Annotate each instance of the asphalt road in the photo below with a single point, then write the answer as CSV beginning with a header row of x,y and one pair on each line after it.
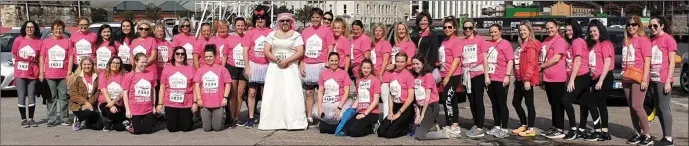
x,y
620,128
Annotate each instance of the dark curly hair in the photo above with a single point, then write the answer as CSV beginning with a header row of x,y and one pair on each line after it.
x,y
265,16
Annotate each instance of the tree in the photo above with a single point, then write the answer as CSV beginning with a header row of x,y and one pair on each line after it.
x,y
302,15
99,15
283,9
127,15
153,12
185,13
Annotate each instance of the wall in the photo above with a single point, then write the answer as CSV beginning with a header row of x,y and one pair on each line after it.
x,y
14,15
561,9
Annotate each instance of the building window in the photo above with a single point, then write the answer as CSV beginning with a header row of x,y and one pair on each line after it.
x,y
331,7
345,8
357,8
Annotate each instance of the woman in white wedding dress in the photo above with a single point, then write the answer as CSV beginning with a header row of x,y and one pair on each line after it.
x,y
283,99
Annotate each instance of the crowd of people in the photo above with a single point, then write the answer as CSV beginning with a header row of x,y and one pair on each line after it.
x,y
120,83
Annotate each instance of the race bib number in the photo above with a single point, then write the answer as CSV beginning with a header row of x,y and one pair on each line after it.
x,y
470,53
259,44
177,96
332,91
656,63
102,57
395,50
364,94
542,56
314,45
210,80
419,91
56,64
396,91
22,65
164,54
281,55
142,88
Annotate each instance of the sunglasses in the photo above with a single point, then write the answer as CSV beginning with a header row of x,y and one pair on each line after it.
x,y
184,26
655,26
448,27
144,29
180,54
633,24
283,21
468,28
84,25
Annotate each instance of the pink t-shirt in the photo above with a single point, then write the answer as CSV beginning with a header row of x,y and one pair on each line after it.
x,y
449,50
578,48
178,81
316,42
472,53
407,47
342,47
367,88
124,51
140,88
26,53
660,65
421,84
399,84
360,44
113,85
84,45
104,53
165,52
551,46
235,51
201,44
499,53
257,39
334,83
379,50
640,48
146,46
55,57
212,80
600,51
186,41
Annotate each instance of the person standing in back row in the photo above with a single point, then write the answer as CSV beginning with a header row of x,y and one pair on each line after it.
x,y
662,71
83,41
500,62
553,68
126,36
256,64
475,75
449,57
54,64
26,51
578,75
234,58
185,38
318,42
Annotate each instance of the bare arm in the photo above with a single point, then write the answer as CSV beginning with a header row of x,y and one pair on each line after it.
x,y
647,67
386,59
41,67
320,100
196,60
575,68
153,58
410,98
552,61
671,57
343,98
376,99
224,60
162,94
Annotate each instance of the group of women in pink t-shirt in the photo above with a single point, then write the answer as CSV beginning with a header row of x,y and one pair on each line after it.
x,y
142,75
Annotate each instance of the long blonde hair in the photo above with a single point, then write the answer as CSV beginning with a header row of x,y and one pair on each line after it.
x,y
376,26
640,32
79,72
407,36
345,28
531,36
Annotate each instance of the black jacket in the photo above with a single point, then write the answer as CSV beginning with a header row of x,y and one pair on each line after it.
x,y
427,47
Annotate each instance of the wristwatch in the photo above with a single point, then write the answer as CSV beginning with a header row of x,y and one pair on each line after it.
x,y
278,61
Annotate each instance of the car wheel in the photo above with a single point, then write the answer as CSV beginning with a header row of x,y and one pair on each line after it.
x,y
684,79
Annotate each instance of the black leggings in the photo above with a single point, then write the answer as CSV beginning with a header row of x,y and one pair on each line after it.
x,y
179,119
450,99
520,94
554,91
360,127
595,104
581,89
142,124
398,127
498,99
113,118
478,111
92,118
325,127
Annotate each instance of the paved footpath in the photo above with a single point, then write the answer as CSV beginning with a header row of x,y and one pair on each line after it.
x,y
620,127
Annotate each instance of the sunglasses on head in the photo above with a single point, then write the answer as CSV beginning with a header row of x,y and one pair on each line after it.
x,y
144,29
448,27
468,28
633,24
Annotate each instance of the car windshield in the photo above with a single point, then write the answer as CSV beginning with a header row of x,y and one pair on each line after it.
x,y
6,41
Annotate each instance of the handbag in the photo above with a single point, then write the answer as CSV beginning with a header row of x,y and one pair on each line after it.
x,y
678,59
632,72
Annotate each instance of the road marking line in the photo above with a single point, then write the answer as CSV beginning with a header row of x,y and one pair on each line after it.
x,y
681,104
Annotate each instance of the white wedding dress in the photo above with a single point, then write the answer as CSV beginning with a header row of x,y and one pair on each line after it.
x,y
283,98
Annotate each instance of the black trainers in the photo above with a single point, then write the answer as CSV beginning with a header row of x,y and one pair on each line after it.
x,y
549,131
249,124
32,123
557,133
665,142
634,140
25,124
572,135
51,124
605,136
595,136
107,127
646,140
585,134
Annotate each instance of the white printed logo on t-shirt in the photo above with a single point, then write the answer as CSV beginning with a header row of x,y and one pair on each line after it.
x,y
102,57
259,44
314,45
396,91
178,84
419,91
238,55
189,49
656,63
139,49
56,57
373,56
492,59
114,90
25,52
142,90
164,53
332,91
592,60
363,93
123,52
441,57
542,56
